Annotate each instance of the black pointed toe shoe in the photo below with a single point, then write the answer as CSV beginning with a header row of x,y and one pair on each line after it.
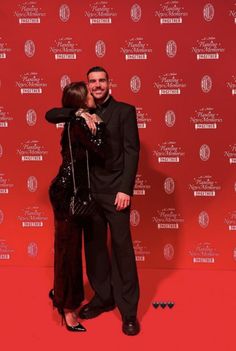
x,y
72,328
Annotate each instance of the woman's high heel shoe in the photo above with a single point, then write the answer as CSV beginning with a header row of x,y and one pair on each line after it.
x,y
77,328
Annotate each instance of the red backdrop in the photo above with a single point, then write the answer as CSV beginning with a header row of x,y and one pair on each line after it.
x,y
175,61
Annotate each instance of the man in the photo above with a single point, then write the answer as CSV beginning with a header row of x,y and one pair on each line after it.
x,y
114,280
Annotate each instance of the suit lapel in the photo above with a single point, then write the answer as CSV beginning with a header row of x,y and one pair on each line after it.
x,y
106,116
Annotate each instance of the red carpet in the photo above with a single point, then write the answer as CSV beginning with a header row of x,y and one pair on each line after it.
x,y
203,317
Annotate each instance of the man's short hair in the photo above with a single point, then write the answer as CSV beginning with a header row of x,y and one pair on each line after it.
x,y
98,69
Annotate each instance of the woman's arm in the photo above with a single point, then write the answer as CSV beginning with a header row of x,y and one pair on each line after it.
x,y
60,115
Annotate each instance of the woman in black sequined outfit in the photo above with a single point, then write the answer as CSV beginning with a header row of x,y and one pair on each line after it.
x,y
78,105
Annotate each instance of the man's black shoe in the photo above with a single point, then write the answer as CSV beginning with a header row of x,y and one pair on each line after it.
x,y
89,311
130,326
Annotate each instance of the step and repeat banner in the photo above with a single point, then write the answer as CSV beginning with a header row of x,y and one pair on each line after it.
x,y
175,61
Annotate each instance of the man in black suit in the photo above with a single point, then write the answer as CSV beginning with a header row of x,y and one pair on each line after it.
x,y
114,279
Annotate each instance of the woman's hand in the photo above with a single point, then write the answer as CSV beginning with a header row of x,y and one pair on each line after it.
x,y
90,120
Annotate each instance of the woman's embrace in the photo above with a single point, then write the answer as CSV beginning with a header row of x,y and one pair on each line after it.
x,y
80,144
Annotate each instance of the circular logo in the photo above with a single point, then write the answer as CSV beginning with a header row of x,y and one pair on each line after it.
x,y
65,80
208,12
29,48
1,216
136,13
134,218
169,185
32,249
100,48
171,48
170,118
206,84
32,184
204,152
168,252
64,13
203,219
31,117
135,84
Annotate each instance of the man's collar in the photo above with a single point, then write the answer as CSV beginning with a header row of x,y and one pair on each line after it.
x,y
105,102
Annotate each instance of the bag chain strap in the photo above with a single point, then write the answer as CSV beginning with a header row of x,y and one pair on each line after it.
x,y
72,162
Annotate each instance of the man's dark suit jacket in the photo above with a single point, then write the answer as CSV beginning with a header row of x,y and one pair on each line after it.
x,y
116,173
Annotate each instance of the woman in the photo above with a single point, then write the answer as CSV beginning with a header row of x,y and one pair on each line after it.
x,y
68,292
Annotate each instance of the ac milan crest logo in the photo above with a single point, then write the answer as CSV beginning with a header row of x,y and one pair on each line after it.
x,y
31,117
171,48
208,12
170,118
168,252
206,84
203,219
136,12
32,184
32,249
204,152
135,84
100,48
65,80
169,185
64,13
29,48
134,218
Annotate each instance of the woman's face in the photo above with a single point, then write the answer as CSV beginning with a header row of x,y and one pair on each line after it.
x,y
90,101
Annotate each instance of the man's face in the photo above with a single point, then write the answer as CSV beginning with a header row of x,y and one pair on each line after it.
x,y
98,85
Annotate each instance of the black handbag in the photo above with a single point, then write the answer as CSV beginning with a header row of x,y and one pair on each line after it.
x,y
82,203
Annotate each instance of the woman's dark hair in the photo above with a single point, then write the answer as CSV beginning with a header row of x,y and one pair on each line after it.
x,y
74,95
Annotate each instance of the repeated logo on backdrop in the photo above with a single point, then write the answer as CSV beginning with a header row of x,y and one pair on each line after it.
x,y
64,13
204,252
29,12
5,50
5,251
206,118
169,152
168,218
136,49
169,84
141,251
171,12
141,186
32,150
101,12
230,154
208,48
183,89
204,186
32,216
6,184
65,48
31,83
5,118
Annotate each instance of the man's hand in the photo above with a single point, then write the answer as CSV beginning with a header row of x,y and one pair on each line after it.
x,y
122,201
